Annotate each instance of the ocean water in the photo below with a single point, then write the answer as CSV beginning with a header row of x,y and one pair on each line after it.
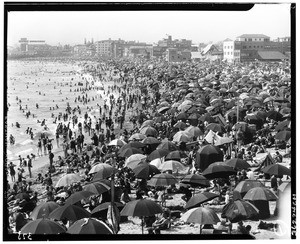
x,y
48,84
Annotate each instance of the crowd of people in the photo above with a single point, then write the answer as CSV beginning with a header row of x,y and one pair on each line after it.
x,y
245,102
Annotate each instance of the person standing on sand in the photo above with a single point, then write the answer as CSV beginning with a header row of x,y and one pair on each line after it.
x,y
29,165
39,153
57,138
12,171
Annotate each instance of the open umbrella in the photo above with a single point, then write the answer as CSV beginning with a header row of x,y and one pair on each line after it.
x,y
215,127
157,162
237,163
104,171
137,136
167,145
147,123
117,142
89,226
240,125
207,155
218,171
284,135
42,227
199,199
277,170
201,215
162,180
176,155
149,131
194,131
162,110
182,116
150,141
68,179
134,159
96,187
43,210
283,125
260,193
129,151
78,196
239,210
144,170
284,185
172,165
69,212
180,125
244,186
182,136
196,180
103,207
274,115
132,144
158,153
141,208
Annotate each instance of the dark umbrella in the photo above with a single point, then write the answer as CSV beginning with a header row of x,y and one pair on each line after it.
x,y
149,131
195,180
137,136
244,186
162,180
162,110
132,144
180,125
89,226
168,145
69,212
129,151
283,125
144,170
274,115
97,187
241,125
277,170
194,131
218,171
158,153
78,196
215,127
199,199
150,140
237,163
43,210
207,155
176,155
284,135
42,227
201,215
141,208
103,207
22,196
239,210
260,193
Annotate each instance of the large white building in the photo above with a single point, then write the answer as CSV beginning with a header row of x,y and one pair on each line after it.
x,y
231,51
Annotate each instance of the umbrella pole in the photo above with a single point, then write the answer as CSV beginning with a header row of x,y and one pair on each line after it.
x,y
142,225
200,229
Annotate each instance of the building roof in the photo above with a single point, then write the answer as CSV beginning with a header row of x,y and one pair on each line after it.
x,y
271,55
227,40
196,55
253,36
209,47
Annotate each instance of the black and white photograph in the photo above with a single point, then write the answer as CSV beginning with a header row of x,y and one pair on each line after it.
x,y
149,121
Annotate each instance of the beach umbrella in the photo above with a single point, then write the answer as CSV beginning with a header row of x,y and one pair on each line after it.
x,y
42,227
127,152
117,142
284,125
172,165
145,170
134,159
239,210
274,115
281,100
285,110
157,162
148,123
97,187
208,118
141,208
201,215
78,196
200,198
176,155
277,170
194,131
162,110
284,135
240,125
215,127
150,140
101,210
268,99
244,186
261,114
132,144
260,194
149,131
182,136
69,212
167,145
137,136
195,180
237,163
195,115
68,179
216,170
43,210
182,116
104,170
89,226
208,155
162,180
180,125
158,153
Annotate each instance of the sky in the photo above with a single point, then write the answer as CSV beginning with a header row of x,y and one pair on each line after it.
x,y
72,27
